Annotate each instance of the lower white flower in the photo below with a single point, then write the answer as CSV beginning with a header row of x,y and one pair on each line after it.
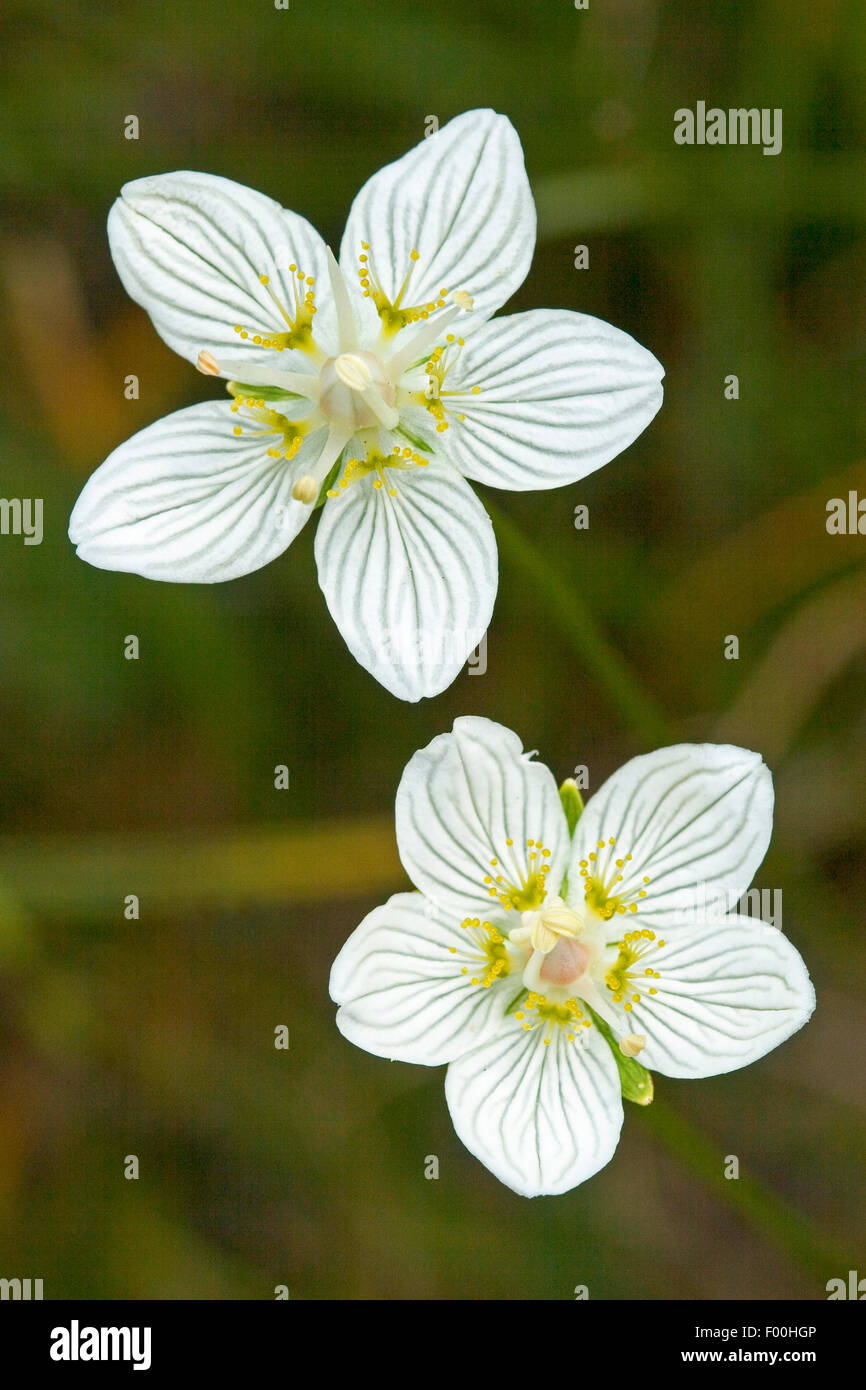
x,y
540,963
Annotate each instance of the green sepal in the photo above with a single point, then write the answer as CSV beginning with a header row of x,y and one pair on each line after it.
x,y
328,483
262,393
517,1001
636,1083
572,803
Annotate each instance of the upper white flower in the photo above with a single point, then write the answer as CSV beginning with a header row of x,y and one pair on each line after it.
x,y
527,957
376,385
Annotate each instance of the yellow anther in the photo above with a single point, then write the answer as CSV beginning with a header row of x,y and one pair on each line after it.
x,y
305,489
207,364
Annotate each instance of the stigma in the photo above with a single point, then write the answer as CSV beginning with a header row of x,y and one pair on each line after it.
x,y
548,923
356,391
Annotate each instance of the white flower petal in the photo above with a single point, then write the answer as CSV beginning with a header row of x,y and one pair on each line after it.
x,y
190,248
461,199
410,580
561,395
460,800
541,1118
401,989
187,500
695,818
729,991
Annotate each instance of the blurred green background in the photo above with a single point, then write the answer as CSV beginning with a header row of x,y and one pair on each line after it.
x,y
155,1037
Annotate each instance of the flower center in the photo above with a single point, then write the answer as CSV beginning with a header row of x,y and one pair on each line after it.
x,y
566,962
545,925
563,948
356,391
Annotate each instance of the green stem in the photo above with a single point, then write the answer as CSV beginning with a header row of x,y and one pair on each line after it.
x,y
645,719
748,1196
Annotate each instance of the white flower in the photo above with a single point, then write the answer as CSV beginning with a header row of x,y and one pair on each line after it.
x,y
524,948
378,383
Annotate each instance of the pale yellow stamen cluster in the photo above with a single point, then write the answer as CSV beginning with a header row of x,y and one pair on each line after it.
x,y
492,953
622,980
376,462
525,888
273,422
299,320
600,879
567,1015
395,315
439,364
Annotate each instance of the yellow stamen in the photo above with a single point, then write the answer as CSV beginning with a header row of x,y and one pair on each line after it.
x,y
305,489
207,364
375,462
394,313
491,951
